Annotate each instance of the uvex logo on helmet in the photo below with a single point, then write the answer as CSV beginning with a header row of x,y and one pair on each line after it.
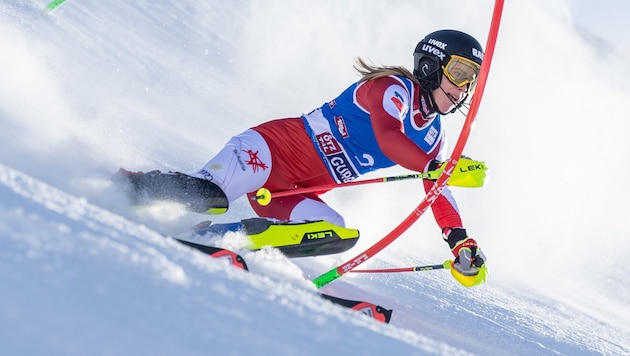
x,y
434,51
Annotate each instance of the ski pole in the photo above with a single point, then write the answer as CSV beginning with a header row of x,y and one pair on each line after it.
x,y
445,265
263,195
465,280
469,173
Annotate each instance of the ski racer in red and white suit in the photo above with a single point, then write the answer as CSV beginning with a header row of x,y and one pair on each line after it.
x,y
297,162
390,117
373,124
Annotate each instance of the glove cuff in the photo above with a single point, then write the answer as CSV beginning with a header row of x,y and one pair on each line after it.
x,y
433,170
434,165
454,235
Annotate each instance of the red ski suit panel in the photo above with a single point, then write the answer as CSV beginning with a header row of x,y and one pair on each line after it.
x,y
295,164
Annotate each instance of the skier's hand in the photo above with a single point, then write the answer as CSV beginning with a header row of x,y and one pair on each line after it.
x,y
434,169
468,256
467,173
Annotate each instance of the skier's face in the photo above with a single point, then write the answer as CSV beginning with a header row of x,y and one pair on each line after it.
x,y
449,95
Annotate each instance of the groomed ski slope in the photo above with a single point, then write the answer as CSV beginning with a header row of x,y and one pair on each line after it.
x,y
143,85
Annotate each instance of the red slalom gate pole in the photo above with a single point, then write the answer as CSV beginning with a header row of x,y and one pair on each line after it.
x,y
450,164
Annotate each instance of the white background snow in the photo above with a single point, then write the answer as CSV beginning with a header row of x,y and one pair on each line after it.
x,y
99,85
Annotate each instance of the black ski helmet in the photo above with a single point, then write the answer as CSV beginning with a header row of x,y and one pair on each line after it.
x,y
433,53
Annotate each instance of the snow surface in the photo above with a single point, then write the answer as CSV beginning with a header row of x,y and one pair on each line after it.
x,y
140,84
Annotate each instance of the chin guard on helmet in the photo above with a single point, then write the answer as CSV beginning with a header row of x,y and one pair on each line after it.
x,y
427,71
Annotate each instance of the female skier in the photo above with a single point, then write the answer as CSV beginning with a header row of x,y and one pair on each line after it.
x,y
390,116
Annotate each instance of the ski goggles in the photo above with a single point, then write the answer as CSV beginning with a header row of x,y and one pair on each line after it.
x,y
461,71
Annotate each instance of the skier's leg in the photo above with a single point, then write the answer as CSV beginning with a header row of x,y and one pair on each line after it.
x,y
196,194
242,166
300,207
315,209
